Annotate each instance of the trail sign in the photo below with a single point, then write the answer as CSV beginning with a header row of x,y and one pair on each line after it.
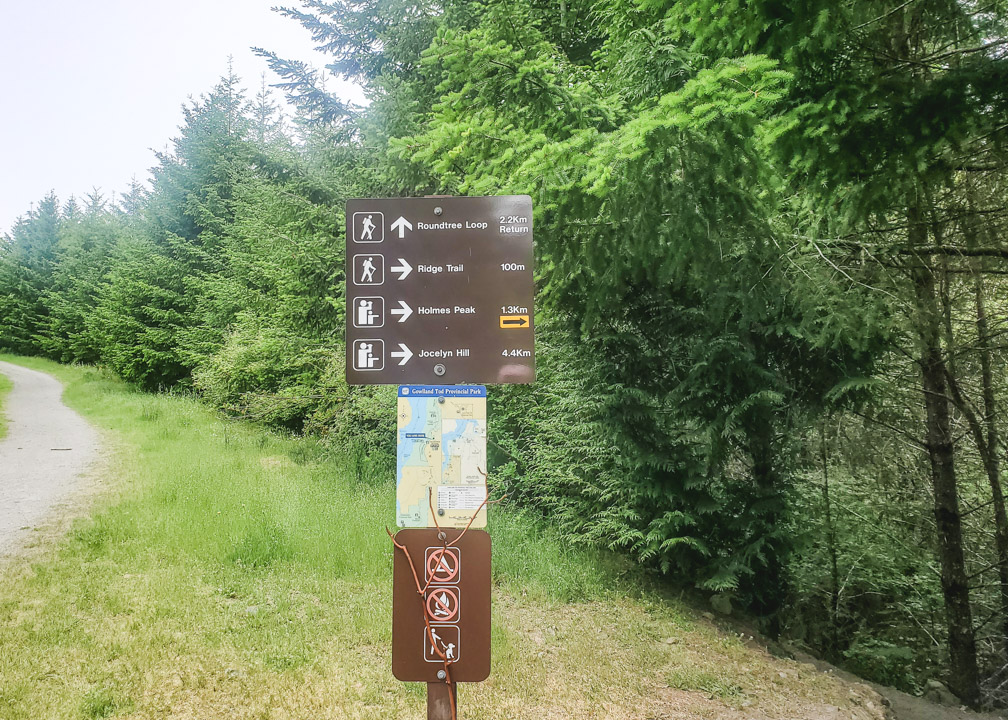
x,y
449,624
440,290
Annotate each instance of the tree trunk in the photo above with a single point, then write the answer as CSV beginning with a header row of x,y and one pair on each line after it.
x,y
831,547
964,675
768,505
992,456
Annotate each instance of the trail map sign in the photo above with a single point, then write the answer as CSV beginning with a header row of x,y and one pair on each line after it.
x,y
439,290
441,456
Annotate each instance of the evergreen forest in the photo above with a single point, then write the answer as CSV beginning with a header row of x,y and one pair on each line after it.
x,y
771,248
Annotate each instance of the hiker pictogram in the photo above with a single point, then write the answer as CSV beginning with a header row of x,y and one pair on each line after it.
x,y
368,269
368,227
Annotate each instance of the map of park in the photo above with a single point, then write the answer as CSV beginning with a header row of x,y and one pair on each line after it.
x,y
441,458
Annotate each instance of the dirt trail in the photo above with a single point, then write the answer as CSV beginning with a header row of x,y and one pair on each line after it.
x,y
901,705
47,449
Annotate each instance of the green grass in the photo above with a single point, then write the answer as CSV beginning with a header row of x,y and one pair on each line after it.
x,y
233,497
719,684
231,530
228,572
5,387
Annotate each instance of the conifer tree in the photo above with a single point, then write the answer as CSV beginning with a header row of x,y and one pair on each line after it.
x,y
157,324
26,266
656,237
890,102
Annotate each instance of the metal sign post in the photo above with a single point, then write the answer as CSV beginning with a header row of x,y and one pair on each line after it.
x,y
440,290
441,698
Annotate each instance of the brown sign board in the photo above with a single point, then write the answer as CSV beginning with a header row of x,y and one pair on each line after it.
x,y
439,290
456,597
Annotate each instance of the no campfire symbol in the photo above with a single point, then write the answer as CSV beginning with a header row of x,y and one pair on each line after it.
x,y
443,604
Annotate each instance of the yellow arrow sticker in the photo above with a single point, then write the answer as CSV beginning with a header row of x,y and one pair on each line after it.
x,y
513,322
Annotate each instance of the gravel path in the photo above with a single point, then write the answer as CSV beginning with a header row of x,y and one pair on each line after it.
x,y
47,449
901,705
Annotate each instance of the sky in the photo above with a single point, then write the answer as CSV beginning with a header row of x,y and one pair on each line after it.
x,y
89,89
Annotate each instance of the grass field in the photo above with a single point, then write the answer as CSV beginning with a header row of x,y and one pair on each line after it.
x,y
227,572
5,388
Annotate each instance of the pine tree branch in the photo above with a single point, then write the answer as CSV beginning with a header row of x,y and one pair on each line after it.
x,y
969,412
883,16
920,445
964,51
946,250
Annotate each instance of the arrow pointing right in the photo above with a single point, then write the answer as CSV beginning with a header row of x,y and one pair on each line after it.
x,y
514,321
406,354
403,267
403,310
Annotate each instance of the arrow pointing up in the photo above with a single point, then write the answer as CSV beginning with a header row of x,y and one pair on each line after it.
x,y
402,224
404,311
404,268
406,354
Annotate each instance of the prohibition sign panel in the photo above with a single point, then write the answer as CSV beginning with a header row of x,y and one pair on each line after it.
x,y
443,565
410,652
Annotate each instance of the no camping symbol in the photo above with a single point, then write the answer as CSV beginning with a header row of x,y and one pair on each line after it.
x,y
443,564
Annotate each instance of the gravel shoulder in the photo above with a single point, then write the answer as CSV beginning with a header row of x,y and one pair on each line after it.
x,y
44,458
901,706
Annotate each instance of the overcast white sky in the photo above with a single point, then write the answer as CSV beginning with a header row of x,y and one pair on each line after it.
x,y
88,87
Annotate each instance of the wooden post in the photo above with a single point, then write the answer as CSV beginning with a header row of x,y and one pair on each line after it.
x,y
440,697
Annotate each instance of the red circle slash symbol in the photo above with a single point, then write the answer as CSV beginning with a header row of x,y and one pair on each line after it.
x,y
442,565
443,604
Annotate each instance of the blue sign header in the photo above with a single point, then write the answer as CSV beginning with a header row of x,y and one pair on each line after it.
x,y
448,391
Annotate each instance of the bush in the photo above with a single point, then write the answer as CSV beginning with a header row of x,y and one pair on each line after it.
x,y
267,374
357,421
883,662
615,467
